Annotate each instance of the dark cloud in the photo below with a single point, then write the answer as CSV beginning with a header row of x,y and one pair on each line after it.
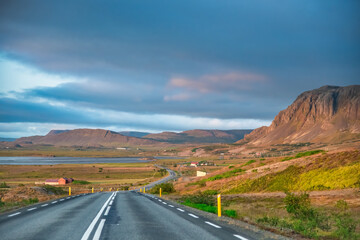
x,y
172,57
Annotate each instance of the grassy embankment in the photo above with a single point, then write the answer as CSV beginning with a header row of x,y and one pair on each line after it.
x,y
258,205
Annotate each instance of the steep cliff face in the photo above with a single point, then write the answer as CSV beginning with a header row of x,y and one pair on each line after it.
x,y
327,114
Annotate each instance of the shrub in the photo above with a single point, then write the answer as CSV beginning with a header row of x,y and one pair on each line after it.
x,y
30,201
200,198
210,192
165,188
162,172
80,182
249,162
345,225
4,185
306,220
230,213
54,190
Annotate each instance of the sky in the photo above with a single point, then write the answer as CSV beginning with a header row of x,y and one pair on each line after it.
x,y
168,65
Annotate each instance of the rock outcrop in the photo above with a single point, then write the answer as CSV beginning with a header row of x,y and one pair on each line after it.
x,y
327,114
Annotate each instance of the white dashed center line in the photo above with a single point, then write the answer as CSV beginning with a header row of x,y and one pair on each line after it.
x,y
111,203
211,224
181,210
107,211
30,209
192,215
14,214
240,237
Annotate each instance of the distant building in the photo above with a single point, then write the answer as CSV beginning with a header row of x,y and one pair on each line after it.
x,y
51,182
194,164
200,173
60,181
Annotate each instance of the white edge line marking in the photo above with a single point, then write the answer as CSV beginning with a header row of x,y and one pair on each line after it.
x,y
93,223
54,202
211,224
14,214
44,205
181,210
192,215
67,197
111,202
30,209
171,205
107,211
164,203
240,237
61,200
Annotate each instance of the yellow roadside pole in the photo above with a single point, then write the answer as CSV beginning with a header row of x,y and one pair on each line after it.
x,y
140,189
110,189
69,191
100,189
219,204
144,190
160,192
92,190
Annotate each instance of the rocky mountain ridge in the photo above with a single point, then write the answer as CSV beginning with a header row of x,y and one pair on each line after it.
x,y
327,114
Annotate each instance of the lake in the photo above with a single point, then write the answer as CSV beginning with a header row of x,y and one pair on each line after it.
x,y
67,160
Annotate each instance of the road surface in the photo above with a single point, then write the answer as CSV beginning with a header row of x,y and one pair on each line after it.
x,y
171,176
115,215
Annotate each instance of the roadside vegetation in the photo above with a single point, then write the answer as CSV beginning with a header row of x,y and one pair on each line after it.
x,y
312,222
166,188
206,201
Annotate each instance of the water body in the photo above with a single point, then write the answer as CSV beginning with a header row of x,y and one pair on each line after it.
x,y
67,160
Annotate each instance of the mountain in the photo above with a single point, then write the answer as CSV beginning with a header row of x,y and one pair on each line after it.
x,y
328,114
199,136
85,137
134,134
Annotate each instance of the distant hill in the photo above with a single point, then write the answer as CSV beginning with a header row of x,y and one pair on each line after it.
x,y
85,137
199,136
134,134
327,114
7,139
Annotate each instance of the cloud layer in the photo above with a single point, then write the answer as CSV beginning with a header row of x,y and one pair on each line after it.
x,y
206,61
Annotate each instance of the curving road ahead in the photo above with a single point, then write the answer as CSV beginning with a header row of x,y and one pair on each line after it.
x,y
116,215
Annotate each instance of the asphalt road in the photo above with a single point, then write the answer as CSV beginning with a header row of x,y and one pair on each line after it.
x,y
115,215
171,176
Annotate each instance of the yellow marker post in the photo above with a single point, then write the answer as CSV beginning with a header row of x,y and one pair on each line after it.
x,y
144,190
92,190
160,192
140,189
69,191
100,189
219,204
